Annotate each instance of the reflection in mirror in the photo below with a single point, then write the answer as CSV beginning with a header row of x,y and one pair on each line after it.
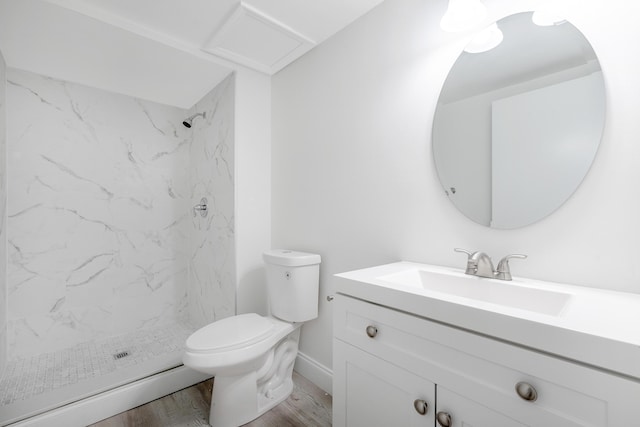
x,y
517,127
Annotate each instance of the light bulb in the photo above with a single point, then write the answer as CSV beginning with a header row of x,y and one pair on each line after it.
x,y
462,15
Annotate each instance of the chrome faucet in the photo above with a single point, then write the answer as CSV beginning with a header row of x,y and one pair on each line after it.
x,y
480,264
503,272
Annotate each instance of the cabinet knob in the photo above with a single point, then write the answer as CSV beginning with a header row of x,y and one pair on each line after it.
x,y
526,391
372,331
421,406
444,419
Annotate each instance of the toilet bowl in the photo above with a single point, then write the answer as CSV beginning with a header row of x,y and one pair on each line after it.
x,y
252,356
235,344
252,359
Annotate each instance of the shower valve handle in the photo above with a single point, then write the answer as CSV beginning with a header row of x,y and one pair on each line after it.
x,y
202,207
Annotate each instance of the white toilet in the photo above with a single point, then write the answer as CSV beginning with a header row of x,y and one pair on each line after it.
x,y
252,356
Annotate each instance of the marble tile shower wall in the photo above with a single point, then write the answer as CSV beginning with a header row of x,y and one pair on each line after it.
x,y
211,292
98,214
3,204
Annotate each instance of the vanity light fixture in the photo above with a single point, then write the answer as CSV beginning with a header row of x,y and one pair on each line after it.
x,y
485,40
463,15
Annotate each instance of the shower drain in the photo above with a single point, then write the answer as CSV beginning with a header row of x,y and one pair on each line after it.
x,y
121,355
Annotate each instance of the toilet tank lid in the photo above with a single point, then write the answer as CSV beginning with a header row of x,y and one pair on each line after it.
x,y
290,258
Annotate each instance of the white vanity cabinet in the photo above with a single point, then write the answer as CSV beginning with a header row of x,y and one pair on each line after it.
x,y
387,362
374,392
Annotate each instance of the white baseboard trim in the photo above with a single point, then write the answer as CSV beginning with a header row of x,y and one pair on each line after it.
x,y
104,405
315,372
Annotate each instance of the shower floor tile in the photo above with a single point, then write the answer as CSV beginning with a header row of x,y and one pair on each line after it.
x,y
42,382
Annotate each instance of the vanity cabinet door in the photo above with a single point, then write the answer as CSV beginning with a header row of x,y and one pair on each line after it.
x,y
455,410
370,392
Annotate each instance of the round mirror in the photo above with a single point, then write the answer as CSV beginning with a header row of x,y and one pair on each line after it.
x,y
517,126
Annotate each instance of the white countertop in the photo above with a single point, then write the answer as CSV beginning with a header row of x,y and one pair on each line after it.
x,y
596,327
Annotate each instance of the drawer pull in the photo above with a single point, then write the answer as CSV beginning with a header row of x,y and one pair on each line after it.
x,y
372,331
444,419
526,391
420,406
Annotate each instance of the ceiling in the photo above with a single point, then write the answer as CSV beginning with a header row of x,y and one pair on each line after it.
x,y
167,51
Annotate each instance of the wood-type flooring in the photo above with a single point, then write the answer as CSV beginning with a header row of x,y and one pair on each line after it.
x,y
307,406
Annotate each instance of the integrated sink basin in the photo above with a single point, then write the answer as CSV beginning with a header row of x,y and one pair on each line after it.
x,y
594,326
505,293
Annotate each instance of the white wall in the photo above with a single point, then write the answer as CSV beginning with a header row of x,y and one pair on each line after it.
x,y
3,214
252,187
353,174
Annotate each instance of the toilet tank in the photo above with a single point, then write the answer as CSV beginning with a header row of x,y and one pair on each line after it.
x,y
293,280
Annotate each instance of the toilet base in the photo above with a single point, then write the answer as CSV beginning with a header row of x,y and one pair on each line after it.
x,y
239,399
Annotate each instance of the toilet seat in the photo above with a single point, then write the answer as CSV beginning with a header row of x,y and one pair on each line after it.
x,y
234,354
230,333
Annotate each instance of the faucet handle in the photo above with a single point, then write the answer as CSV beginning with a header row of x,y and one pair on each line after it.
x,y
464,251
472,265
503,272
